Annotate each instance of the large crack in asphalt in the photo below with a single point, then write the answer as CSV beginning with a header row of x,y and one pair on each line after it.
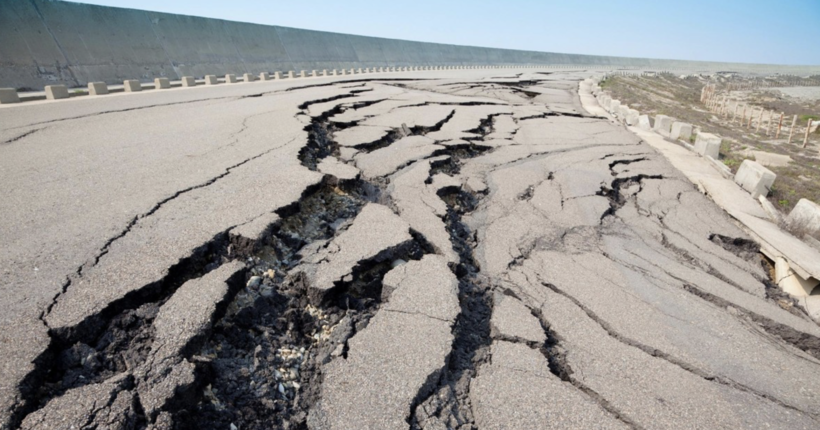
x,y
447,401
263,362
403,131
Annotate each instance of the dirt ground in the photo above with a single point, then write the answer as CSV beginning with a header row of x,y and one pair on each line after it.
x,y
680,98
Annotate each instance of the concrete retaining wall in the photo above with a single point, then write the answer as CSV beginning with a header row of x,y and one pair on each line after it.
x,y
46,42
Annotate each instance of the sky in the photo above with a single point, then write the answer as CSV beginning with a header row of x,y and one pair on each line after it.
x,y
746,31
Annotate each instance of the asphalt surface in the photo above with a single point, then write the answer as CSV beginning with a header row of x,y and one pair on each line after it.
x,y
454,250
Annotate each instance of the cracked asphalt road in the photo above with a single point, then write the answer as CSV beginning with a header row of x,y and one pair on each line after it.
x,y
452,250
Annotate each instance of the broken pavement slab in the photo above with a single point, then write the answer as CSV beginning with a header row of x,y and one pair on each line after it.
x,y
375,234
385,161
513,320
422,295
520,376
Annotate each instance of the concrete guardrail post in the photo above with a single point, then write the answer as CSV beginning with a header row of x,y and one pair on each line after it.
x,y
277,76
264,76
230,79
211,80
663,125
56,92
632,117
132,86
754,178
707,145
247,77
643,122
162,83
9,95
97,88
681,130
188,81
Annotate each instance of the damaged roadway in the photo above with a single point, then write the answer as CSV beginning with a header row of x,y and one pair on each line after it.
x,y
453,250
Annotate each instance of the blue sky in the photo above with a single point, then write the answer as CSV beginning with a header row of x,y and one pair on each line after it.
x,y
750,31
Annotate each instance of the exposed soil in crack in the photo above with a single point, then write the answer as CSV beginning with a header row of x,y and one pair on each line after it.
x,y
401,132
262,367
621,189
746,249
320,144
446,403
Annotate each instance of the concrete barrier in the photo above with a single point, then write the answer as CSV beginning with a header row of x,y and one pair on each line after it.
x,y
56,92
663,124
623,111
132,85
754,178
632,117
188,81
162,83
290,74
97,88
643,122
806,214
211,80
681,130
708,145
230,78
9,95
264,76
247,77
344,72
277,75
303,74
359,71
314,73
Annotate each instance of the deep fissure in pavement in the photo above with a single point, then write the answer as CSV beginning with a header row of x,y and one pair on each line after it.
x,y
401,132
114,340
446,402
264,358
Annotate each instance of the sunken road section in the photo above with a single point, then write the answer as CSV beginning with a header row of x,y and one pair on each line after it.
x,y
465,251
